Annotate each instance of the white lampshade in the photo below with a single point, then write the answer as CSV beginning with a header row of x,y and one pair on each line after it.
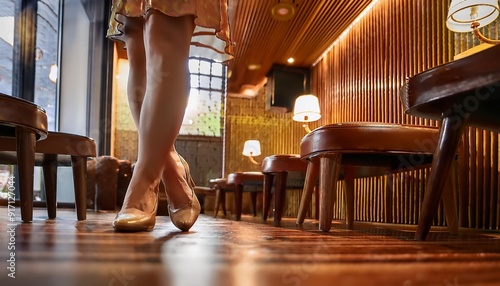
x,y
306,108
251,148
463,12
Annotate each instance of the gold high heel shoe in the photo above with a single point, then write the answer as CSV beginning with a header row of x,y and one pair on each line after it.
x,y
135,220
184,217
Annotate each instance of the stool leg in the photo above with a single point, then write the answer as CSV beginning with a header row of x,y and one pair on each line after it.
x,y
238,200
450,199
49,166
267,195
312,174
388,199
218,194
223,202
349,197
253,196
328,176
449,138
79,165
279,196
26,165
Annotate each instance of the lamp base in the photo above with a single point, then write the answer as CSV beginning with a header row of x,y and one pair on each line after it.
x,y
473,50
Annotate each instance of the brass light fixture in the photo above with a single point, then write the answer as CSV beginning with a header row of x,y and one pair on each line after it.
x,y
470,15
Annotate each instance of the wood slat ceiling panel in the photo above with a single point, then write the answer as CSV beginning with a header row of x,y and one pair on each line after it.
x,y
260,39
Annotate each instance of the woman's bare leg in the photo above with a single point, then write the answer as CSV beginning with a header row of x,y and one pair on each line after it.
x,y
136,53
143,197
167,40
134,39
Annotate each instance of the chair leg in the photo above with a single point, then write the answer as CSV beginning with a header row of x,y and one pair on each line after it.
x,y
79,165
312,173
328,176
449,138
450,199
49,166
267,195
238,200
26,165
279,196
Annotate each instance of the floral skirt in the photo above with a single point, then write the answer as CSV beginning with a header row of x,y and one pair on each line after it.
x,y
211,37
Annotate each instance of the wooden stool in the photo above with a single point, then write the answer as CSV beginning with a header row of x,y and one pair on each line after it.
x,y
356,150
238,180
57,149
202,193
277,167
460,93
220,186
21,124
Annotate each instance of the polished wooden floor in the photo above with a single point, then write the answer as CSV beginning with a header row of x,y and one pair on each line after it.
x,y
220,251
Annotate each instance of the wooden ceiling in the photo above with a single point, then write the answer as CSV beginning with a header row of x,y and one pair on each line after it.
x,y
262,40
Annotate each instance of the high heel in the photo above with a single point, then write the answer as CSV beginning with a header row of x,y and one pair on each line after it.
x,y
184,217
135,220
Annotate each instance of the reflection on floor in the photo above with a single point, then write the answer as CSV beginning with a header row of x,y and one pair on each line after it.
x,y
225,252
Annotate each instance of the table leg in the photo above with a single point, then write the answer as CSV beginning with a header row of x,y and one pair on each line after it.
x,y
450,134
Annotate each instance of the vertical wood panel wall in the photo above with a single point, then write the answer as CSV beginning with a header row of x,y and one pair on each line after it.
x,y
480,186
359,80
248,119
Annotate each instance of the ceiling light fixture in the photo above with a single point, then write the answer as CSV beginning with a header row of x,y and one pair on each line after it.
x,y
284,11
253,67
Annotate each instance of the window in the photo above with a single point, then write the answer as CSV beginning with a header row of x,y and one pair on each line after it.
x,y
203,113
46,54
6,46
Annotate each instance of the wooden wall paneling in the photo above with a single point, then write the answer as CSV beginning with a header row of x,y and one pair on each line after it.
x,y
494,180
463,157
487,178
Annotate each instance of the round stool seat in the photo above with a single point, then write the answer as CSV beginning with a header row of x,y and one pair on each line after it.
x,y
283,163
377,138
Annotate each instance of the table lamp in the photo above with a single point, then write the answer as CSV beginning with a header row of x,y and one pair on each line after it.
x,y
470,15
306,110
251,149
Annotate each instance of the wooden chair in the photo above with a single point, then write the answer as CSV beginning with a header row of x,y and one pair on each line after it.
x,y
22,123
461,93
356,150
275,169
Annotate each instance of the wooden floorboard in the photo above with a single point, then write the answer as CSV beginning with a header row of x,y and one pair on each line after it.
x,y
220,251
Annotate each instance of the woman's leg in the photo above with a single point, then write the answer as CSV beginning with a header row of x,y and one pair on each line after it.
x,y
167,41
136,53
143,197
